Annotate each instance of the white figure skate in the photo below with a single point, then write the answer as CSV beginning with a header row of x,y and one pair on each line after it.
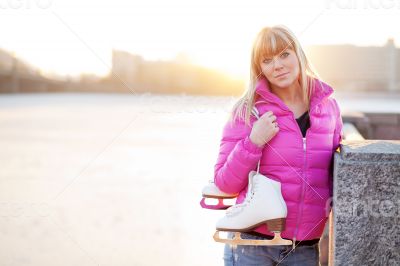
x,y
213,192
264,204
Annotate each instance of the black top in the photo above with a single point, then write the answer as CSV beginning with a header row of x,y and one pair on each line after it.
x,y
304,123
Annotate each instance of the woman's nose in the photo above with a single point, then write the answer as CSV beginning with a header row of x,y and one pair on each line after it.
x,y
277,64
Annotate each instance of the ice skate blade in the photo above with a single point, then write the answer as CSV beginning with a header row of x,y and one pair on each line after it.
x,y
219,197
237,240
220,206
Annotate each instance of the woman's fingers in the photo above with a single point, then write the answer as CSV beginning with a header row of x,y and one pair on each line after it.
x,y
269,117
264,129
266,115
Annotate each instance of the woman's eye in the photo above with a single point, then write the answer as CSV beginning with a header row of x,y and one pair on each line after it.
x,y
285,54
267,61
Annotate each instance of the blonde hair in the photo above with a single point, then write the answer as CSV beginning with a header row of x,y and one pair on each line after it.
x,y
269,42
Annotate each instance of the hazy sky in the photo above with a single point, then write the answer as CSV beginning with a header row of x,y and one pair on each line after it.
x,y
71,36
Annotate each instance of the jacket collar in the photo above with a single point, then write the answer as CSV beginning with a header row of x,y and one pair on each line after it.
x,y
320,91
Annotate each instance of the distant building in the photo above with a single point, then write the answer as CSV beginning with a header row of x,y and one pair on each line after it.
x,y
126,67
349,67
174,76
6,61
10,63
17,75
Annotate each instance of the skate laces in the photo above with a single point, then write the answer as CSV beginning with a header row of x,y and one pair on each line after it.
x,y
236,209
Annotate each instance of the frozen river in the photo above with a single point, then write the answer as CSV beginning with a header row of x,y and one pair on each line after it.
x,y
107,179
114,179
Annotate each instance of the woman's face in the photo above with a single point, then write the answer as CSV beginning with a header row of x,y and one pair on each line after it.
x,y
282,70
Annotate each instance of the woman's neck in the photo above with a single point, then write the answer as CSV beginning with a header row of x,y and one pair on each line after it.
x,y
289,95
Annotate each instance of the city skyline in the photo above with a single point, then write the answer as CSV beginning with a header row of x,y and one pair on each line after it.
x,y
346,67
184,58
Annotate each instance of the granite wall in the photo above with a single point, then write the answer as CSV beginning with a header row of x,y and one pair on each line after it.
x,y
365,228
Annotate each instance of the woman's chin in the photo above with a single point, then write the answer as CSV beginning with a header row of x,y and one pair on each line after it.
x,y
283,83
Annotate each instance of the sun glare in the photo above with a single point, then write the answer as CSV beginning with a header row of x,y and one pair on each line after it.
x,y
73,37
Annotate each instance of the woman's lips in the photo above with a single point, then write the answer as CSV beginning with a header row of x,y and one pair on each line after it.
x,y
281,75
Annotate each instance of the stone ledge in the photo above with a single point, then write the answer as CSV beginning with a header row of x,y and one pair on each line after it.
x,y
365,220
370,150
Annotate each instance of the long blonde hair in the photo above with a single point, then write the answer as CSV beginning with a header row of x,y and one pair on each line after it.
x,y
269,42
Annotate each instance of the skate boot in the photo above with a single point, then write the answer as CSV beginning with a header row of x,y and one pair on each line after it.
x,y
264,204
213,192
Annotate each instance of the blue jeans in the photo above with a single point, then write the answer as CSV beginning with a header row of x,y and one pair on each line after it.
x,y
241,255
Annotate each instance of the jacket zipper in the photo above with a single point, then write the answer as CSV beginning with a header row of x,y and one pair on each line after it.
x,y
300,212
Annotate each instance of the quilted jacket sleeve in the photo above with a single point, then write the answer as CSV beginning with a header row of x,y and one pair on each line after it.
x,y
337,138
338,134
237,157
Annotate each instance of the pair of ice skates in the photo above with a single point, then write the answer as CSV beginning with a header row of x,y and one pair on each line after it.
x,y
264,204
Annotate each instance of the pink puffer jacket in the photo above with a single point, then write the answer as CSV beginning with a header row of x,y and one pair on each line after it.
x,y
303,166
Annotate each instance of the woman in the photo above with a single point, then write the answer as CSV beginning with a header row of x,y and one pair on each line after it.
x,y
295,138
